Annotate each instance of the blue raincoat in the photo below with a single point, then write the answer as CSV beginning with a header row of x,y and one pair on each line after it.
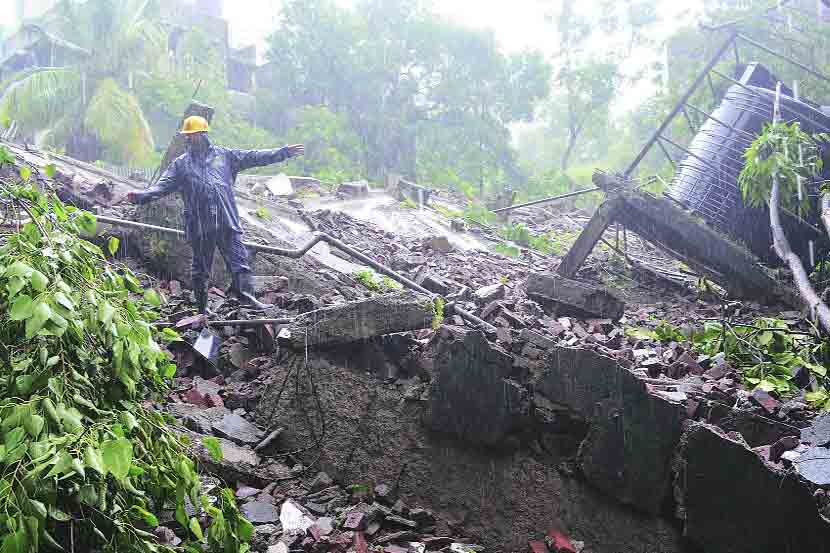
x,y
211,218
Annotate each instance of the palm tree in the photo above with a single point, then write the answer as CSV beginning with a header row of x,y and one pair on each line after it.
x,y
89,108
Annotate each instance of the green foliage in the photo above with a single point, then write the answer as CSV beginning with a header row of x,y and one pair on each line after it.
x,y
263,213
785,151
373,282
438,312
407,203
766,352
82,452
507,250
550,243
92,94
431,95
476,213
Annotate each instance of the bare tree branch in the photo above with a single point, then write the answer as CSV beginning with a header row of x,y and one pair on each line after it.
x,y
785,252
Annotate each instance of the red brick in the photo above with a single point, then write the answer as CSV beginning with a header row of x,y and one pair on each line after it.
x,y
559,542
537,547
214,400
360,544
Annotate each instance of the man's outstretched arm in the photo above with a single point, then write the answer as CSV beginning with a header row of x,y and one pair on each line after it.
x,y
167,184
247,159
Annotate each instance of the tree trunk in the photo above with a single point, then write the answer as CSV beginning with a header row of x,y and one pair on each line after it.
x,y
784,251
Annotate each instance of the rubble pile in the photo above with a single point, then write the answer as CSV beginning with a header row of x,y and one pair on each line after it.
x,y
291,507
497,432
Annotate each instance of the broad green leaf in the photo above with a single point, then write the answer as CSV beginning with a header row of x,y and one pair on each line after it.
x,y
87,223
118,456
170,335
820,370
20,269
71,418
168,370
24,383
50,541
245,529
34,425
15,285
50,170
105,313
14,437
16,454
57,514
765,338
817,396
78,467
152,297
39,281
214,448
89,495
196,529
25,173
142,514
129,420
42,312
22,308
94,460
38,508
766,385
113,244
62,299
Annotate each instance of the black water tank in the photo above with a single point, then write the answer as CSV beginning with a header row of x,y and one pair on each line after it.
x,y
707,180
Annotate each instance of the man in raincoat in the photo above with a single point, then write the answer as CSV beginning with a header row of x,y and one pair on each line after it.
x,y
204,175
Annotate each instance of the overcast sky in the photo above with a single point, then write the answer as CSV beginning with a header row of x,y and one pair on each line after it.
x,y
519,24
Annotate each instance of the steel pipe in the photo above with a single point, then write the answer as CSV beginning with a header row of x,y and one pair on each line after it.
x,y
545,200
240,323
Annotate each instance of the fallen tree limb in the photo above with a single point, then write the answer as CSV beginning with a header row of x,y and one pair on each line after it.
x,y
784,251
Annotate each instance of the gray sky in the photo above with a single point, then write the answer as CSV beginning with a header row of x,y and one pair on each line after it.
x,y
519,24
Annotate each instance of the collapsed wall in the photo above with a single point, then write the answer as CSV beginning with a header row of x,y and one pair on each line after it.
x,y
401,432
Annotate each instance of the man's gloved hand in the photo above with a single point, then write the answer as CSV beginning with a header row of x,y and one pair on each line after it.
x,y
295,150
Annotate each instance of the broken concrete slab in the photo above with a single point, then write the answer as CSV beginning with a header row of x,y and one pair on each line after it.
x,y
663,222
238,464
260,512
353,322
732,501
489,294
472,396
574,298
814,466
629,447
817,433
238,430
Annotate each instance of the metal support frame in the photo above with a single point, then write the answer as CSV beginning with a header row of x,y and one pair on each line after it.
x,y
301,251
679,106
706,74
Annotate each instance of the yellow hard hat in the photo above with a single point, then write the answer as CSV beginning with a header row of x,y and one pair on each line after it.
x,y
194,124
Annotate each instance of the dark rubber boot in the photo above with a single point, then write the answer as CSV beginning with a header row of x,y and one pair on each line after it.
x,y
201,294
245,282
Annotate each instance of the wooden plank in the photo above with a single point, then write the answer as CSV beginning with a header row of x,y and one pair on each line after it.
x,y
591,234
